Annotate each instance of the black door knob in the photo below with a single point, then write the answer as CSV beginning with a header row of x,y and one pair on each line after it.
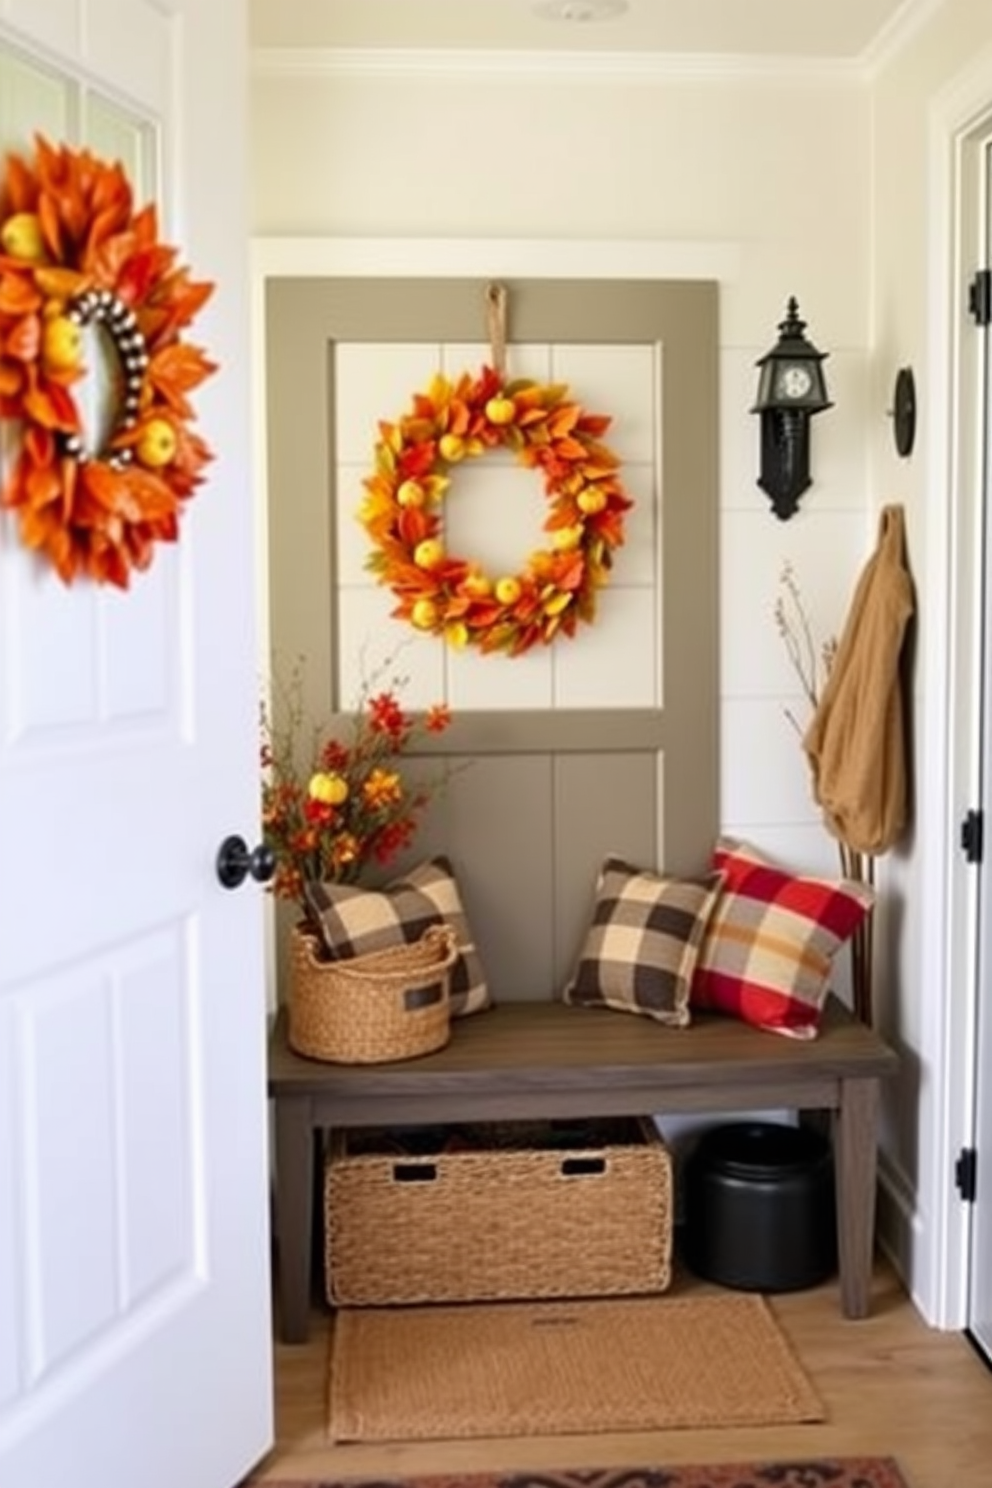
x,y
235,862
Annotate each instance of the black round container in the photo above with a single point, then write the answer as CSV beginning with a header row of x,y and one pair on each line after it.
x,y
759,1207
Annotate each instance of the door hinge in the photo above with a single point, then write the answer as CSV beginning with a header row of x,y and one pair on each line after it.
x,y
972,835
966,1173
980,297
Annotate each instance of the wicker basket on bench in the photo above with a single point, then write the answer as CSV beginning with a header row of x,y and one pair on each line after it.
x,y
371,1009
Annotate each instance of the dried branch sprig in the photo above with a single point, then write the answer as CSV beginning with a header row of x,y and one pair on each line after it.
x,y
812,667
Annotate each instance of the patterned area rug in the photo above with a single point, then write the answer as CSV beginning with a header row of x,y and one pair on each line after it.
x,y
826,1472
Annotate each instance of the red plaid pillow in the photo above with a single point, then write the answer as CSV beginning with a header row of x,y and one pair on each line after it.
x,y
768,952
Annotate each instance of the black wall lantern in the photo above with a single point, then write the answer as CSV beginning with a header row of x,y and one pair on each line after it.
x,y
791,389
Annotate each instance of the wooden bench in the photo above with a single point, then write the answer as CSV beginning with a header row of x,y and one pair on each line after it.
x,y
531,1060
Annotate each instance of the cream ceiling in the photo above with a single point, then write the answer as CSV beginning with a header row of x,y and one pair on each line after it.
x,y
827,30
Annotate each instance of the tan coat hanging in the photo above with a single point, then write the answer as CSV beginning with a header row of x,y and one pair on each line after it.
x,y
856,742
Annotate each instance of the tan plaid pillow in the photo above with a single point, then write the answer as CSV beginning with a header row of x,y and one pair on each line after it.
x,y
641,947
354,920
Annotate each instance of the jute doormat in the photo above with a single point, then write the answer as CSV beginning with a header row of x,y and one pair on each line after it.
x,y
819,1472
543,1368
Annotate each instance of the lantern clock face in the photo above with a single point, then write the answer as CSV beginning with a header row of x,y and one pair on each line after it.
x,y
794,382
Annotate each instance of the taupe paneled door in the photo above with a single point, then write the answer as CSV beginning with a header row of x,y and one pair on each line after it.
x,y
604,743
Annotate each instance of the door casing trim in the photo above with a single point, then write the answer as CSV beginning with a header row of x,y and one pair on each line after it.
x,y
950,653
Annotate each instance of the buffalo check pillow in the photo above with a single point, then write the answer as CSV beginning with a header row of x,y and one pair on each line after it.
x,y
355,920
641,946
770,944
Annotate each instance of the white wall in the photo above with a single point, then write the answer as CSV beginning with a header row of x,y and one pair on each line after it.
x,y
813,185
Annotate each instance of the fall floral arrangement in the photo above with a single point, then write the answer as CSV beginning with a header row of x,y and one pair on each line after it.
x,y
448,595
332,805
75,254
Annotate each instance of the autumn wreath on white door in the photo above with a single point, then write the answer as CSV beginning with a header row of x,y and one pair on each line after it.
x,y
75,254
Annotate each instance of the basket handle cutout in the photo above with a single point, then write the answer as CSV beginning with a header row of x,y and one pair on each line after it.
x,y
414,1172
421,997
583,1167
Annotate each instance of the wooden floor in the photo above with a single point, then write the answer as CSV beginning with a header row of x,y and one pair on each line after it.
x,y
890,1385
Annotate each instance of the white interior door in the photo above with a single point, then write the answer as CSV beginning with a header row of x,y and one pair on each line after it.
x,y
135,1342
980,1261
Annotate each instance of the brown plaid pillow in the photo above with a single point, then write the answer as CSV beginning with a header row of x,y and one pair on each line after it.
x,y
354,920
641,948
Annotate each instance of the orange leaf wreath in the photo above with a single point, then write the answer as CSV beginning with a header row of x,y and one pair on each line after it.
x,y
451,596
74,253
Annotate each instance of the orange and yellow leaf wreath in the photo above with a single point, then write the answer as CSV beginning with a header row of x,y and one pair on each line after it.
x,y
451,596
74,254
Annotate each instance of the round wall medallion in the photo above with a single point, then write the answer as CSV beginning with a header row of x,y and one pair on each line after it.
x,y
904,411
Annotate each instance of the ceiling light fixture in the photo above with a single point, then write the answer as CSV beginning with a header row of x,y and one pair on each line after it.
x,y
580,10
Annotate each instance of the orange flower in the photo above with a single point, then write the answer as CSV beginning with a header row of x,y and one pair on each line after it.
x,y
438,718
382,788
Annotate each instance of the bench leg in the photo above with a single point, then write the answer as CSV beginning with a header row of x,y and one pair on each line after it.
x,y
294,1214
855,1162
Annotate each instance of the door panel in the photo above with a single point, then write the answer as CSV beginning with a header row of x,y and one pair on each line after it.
x,y
980,1265
133,1223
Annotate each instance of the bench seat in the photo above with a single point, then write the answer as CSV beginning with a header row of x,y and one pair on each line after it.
x,y
525,1060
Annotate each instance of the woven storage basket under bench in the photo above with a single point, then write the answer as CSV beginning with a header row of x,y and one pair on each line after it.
x,y
484,1211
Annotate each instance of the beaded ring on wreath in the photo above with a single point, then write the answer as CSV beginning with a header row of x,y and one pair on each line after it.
x,y
453,597
73,254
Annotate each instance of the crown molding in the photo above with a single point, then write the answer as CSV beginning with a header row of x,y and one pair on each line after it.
x,y
897,34
601,67
557,258
551,67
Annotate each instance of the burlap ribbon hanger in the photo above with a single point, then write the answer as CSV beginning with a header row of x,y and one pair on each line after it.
x,y
496,305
